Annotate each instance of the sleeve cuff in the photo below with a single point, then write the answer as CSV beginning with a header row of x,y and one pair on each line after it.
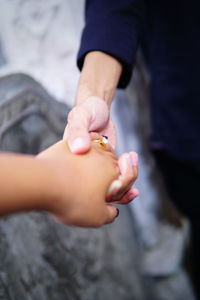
x,y
113,41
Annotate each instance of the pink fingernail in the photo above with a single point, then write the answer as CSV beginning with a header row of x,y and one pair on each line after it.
x,y
134,158
131,197
129,160
79,145
124,163
114,187
133,194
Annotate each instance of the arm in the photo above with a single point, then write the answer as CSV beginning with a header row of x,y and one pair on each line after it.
x,y
99,77
106,57
98,81
25,183
113,27
49,182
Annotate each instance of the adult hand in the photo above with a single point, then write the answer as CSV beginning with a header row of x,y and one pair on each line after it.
x,y
121,190
90,116
93,116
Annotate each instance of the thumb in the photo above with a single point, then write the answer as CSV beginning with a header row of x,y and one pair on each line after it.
x,y
91,115
111,213
77,130
78,141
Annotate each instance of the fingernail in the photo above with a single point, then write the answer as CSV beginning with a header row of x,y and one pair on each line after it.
x,y
134,158
79,144
136,192
129,160
114,187
133,194
117,213
131,197
124,163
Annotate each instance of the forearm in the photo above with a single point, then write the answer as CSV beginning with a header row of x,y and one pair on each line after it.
x,y
99,77
25,184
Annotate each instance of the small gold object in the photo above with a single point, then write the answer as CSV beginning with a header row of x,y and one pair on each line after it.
x,y
103,141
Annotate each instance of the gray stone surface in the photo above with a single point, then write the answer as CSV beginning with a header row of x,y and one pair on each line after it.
x,y
41,38
2,57
40,258
30,119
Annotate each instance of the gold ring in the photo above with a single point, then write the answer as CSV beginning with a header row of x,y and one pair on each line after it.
x,y
103,141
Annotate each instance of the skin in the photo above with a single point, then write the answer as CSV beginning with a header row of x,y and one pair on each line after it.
x,y
72,188
97,84
56,180
98,81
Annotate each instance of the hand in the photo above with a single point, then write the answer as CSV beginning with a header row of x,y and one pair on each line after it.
x,y
82,182
90,116
93,115
121,191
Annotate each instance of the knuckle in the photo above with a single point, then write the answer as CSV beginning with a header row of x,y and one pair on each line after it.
x,y
128,179
99,217
70,115
99,222
74,112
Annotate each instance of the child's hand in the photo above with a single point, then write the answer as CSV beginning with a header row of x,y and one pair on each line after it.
x,y
81,184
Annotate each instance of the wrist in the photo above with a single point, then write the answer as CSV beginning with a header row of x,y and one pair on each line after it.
x,y
61,174
99,77
49,187
25,184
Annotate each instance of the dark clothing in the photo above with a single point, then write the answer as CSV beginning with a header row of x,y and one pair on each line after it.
x,y
182,181
169,33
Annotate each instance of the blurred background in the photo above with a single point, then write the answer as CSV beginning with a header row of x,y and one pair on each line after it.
x,y
140,256
41,38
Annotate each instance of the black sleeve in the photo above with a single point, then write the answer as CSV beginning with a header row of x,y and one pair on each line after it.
x,y
113,27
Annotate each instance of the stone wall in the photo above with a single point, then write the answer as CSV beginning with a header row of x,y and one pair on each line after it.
x,y
41,258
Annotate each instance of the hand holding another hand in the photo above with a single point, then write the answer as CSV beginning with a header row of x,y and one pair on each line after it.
x,y
81,184
93,115
90,116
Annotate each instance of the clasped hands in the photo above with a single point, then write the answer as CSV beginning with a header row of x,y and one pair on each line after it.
x,y
87,122
76,180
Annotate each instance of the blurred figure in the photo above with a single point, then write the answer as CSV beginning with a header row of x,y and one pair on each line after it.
x,y
168,35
